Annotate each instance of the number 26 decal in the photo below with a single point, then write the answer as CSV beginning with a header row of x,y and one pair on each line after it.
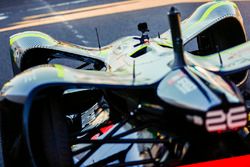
x,y
219,121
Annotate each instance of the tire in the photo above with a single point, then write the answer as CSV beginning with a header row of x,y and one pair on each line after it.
x,y
50,135
12,152
1,141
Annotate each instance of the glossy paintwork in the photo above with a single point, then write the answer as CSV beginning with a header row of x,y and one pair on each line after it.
x,y
205,16
186,90
234,59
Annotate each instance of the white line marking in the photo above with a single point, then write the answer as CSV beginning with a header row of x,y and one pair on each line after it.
x,y
79,36
58,5
75,31
3,16
69,26
84,42
65,22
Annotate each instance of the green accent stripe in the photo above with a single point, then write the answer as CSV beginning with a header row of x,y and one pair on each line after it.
x,y
60,70
169,43
19,36
209,11
104,52
212,8
140,48
165,44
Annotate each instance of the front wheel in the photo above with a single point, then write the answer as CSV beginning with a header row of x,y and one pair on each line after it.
x,y
49,134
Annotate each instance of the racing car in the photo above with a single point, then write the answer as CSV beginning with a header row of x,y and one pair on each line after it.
x,y
139,101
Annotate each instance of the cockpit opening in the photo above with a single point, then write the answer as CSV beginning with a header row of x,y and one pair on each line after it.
x,y
223,35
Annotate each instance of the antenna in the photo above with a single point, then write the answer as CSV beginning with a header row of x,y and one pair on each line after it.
x,y
133,71
98,39
218,50
174,21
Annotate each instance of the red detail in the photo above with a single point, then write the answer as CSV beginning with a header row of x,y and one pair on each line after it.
x,y
106,129
239,161
95,136
176,77
219,131
146,41
103,131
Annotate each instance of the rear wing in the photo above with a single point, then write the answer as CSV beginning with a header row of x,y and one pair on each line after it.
x,y
204,17
32,48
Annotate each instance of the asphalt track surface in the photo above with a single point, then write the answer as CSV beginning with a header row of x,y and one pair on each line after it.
x,y
73,21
